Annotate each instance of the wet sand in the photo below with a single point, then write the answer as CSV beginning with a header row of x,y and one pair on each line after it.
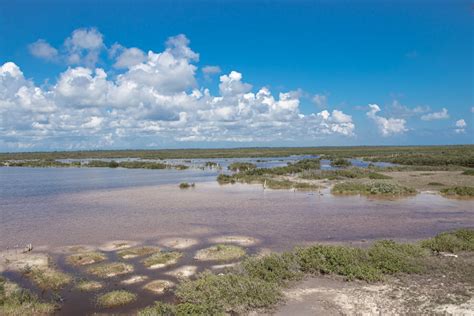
x,y
280,219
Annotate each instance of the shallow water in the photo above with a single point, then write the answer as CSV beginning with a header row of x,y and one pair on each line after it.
x,y
56,207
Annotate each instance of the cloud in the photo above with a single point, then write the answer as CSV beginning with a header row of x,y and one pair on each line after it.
x,y
441,115
209,71
320,100
460,126
126,57
42,49
403,111
155,98
386,126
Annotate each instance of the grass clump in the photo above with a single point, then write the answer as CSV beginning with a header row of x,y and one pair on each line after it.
x,y
85,258
438,184
162,259
158,286
241,166
47,278
116,298
221,252
231,293
134,252
390,257
88,286
276,268
374,188
225,179
340,174
16,301
455,241
186,185
108,270
469,172
341,162
462,191
159,309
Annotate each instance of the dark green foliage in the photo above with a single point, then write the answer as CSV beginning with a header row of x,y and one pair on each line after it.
x,y
351,173
225,178
186,185
459,191
216,294
435,184
158,309
390,257
278,268
469,172
459,240
340,162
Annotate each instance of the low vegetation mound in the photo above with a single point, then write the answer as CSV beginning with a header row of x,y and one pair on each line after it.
x,y
221,252
88,285
186,185
116,298
469,172
241,166
461,191
162,259
340,174
47,278
134,252
80,259
374,188
108,270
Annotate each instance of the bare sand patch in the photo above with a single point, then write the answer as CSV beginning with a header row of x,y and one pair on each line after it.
x,y
183,272
134,279
117,245
239,240
179,242
158,286
16,260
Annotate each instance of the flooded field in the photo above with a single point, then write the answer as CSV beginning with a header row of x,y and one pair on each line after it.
x,y
64,211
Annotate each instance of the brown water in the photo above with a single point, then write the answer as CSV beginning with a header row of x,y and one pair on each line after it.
x,y
149,207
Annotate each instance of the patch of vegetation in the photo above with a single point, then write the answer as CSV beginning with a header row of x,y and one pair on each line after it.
x,y
47,278
459,191
116,298
339,174
225,179
134,252
186,185
108,270
16,301
158,286
88,285
436,184
275,268
230,293
220,252
43,163
469,172
374,188
341,162
241,166
159,309
80,259
162,258
455,241
211,164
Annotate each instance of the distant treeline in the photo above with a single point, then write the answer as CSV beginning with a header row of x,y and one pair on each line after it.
x,y
459,155
45,163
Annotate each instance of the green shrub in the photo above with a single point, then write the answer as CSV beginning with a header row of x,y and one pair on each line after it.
x,y
278,268
186,185
340,162
374,188
158,309
459,191
229,293
469,172
390,257
459,240
241,166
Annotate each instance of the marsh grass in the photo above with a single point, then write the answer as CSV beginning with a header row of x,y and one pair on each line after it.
x,y
47,278
373,188
116,298
16,301
439,184
220,252
241,166
85,258
88,285
134,252
340,174
341,162
158,286
108,270
455,241
462,191
161,259
469,172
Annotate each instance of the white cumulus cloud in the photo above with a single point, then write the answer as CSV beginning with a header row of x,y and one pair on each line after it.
x,y
386,126
443,114
460,126
43,49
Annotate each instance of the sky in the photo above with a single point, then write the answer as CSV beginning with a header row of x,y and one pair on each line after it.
x,y
138,74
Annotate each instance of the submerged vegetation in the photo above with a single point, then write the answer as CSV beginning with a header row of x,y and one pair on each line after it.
x,y
372,188
258,281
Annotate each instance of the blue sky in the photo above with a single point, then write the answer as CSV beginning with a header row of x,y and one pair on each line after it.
x,y
350,73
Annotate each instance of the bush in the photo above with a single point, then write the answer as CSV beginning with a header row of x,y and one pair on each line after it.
x,y
459,240
469,172
230,293
241,166
278,268
390,257
374,188
459,191
158,309
341,162
185,185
